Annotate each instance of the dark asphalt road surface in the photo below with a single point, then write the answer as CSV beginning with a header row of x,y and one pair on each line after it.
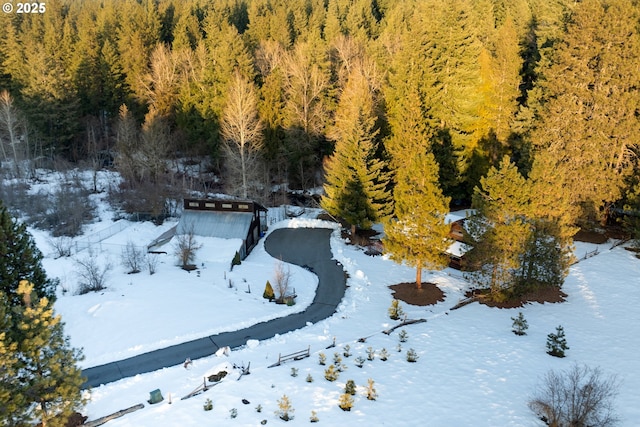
x,y
302,246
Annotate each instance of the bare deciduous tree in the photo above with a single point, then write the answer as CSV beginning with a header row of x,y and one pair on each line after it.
x,y
242,133
281,278
186,247
13,135
92,275
132,258
579,397
152,263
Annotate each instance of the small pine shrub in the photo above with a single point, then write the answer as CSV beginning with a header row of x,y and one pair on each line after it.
x,y
359,361
345,402
268,292
399,348
346,352
384,354
412,356
309,378
519,325
259,408
322,359
371,391
233,413
208,405
337,360
331,373
403,336
314,417
395,311
557,343
371,353
294,372
285,409
350,387
236,260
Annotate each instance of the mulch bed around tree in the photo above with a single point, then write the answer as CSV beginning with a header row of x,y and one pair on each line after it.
x,y
430,294
550,295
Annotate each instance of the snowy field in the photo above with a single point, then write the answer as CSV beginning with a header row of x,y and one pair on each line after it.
x,y
472,370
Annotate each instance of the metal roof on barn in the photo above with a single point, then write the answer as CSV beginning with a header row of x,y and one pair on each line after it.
x,y
225,225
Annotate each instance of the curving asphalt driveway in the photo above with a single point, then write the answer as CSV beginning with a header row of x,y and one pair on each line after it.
x,y
302,246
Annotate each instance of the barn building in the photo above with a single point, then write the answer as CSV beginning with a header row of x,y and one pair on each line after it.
x,y
225,219
221,218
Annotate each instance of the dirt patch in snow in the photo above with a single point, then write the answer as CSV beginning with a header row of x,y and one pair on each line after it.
x,y
429,294
546,295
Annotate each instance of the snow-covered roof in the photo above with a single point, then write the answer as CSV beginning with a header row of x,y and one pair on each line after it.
x,y
225,225
458,215
458,249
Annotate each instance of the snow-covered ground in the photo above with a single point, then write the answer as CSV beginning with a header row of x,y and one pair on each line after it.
x,y
472,370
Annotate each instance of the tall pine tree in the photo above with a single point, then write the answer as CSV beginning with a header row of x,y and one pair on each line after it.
x,y
417,233
589,120
47,371
499,230
356,183
20,259
12,400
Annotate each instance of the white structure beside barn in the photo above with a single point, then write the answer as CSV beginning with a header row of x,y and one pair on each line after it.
x,y
225,219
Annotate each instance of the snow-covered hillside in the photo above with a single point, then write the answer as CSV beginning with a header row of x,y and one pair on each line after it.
x,y
472,370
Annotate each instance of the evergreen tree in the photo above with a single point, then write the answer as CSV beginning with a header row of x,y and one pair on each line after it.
x,y
268,292
500,229
20,259
418,234
395,310
519,325
12,399
47,373
589,116
355,187
557,343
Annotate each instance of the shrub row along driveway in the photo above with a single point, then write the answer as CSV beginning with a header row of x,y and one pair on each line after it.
x,y
302,246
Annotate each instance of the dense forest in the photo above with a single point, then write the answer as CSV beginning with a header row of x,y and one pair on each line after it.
x,y
278,92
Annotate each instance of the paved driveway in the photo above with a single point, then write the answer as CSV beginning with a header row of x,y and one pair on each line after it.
x,y
302,246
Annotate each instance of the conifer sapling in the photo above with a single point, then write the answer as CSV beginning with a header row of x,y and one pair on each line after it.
x,y
371,391
395,310
557,343
345,402
520,325
350,387
285,409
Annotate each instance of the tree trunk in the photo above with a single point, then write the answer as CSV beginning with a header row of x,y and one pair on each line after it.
x,y
419,276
